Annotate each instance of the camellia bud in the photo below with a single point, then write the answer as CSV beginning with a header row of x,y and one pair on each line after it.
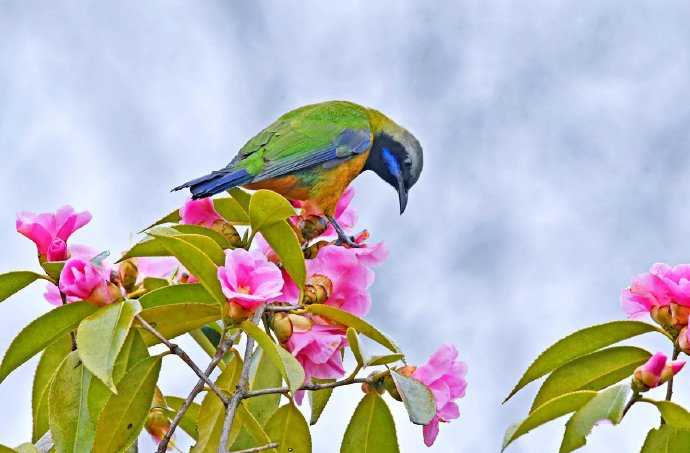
x,y
281,326
57,251
312,226
390,384
671,369
157,425
662,316
229,231
679,315
655,372
313,250
378,386
317,290
684,341
128,273
237,313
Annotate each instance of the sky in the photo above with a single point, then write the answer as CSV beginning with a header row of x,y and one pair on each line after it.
x,y
555,137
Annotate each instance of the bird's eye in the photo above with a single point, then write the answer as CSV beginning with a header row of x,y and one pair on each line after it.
x,y
407,162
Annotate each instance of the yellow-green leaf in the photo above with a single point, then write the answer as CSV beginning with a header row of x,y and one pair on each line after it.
x,y
12,282
350,320
667,439
101,336
287,364
267,207
173,217
288,428
607,405
173,320
177,294
53,268
371,428
593,371
42,332
673,414
264,374
284,243
188,420
418,399
214,235
252,425
384,359
318,400
357,350
204,243
231,210
580,343
548,411
26,447
124,414
70,423
51,359
243,198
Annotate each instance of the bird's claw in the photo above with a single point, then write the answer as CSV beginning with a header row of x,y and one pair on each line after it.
x,y
349,241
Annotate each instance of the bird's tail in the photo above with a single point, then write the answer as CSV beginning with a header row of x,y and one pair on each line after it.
x,y
216,182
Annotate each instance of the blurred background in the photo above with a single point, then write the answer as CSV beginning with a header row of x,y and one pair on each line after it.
x,y
556,147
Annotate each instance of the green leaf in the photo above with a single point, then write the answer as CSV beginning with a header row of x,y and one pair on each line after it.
x,y
207,245
287,364
154,283
101,336
267,207
5,449
551,410
289,429
667,439
42,332
231,210
12,282
580,343
124,414
252,426
318,400
371,428
673,414
212,411
360,354
50,361
284,243
53,268
418,399
243,198
26,447
70,423
188,420
177,294
173,320
173,217
607,405
198,264
154,247
214,235
594,371
263,374
350,320
384,359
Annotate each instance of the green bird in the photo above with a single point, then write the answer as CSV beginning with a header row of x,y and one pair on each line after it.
x,y
313,153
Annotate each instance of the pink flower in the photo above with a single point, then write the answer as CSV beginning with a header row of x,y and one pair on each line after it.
x,y
249,279
350,278
156,267
83,280
52,294
57,251
199,212
318,350
43,229
677,282
646,291
445,377
655,372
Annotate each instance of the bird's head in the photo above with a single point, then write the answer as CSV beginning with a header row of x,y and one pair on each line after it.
x,y
396,155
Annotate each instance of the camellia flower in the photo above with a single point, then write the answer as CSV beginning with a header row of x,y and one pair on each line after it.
x,y
318,350
51,231
248,279
445,377
199,212
52,294
646,291
655,372
84,280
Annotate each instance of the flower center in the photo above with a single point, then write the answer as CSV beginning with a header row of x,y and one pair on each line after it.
x,y
243,289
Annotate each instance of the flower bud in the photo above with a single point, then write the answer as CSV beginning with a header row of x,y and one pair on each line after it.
x,y
157,425
671,369
237,313
128,273
679,315
406,370
317,290
648,376
229,232
312,226
281,326
57,251
313,250
379,386
661,314
684,341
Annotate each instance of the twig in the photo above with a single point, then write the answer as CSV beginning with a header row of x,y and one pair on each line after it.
x,y
633,399
175,349
255,449
669,386
282,308
72,336
308,386
241,388
223,347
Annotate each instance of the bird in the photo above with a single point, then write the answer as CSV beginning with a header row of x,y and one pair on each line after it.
x,y
312,154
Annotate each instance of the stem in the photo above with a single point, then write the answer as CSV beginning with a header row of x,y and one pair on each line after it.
x,y
175,349
309,386
256,449
633,399
241,385
223,347
283,308
669,387
72,336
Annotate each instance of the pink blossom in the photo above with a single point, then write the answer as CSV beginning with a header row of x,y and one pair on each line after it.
x,y
46,227
52,294
445,377
156,267
646,291
249,279
84,280
199,212
351,279
656,371
677,282
57,251
318,350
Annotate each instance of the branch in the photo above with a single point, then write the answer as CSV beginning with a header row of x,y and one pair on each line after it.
x,y
223,347
241,389
669,387
309,386
284,308
256,449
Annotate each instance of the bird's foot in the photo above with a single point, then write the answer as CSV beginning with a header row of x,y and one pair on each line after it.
x,y
349,241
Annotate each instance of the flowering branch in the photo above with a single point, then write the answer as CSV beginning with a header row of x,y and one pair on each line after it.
x,y
310,386
241,388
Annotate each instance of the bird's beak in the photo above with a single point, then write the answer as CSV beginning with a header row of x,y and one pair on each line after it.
x,y
402,194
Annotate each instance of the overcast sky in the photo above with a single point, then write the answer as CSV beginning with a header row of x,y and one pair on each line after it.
x,y
556,145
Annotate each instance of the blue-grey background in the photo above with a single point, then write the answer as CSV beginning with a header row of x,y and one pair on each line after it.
x,y
556,162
